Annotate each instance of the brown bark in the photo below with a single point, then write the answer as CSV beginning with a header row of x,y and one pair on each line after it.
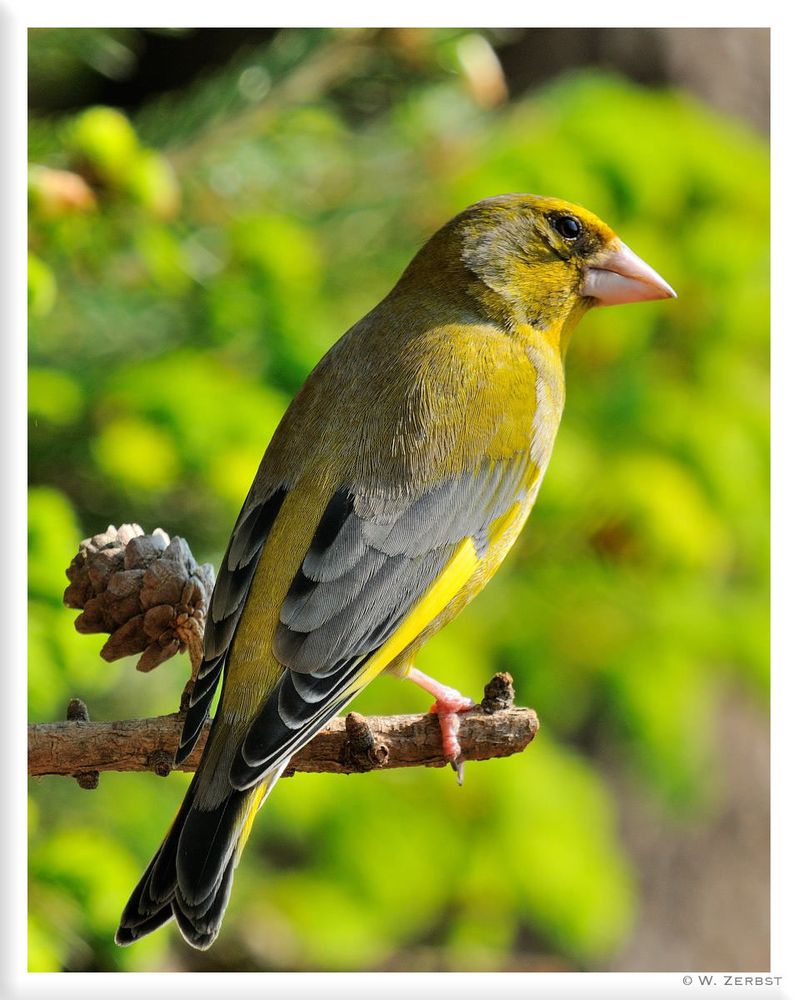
x,y
347,745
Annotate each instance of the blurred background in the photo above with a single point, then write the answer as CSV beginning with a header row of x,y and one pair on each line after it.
x,y
209,210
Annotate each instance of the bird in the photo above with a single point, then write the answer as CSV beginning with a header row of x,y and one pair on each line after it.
x,y
393,487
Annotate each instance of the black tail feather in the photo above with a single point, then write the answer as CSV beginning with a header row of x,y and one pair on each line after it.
x,y
200,925
126,935
207,841
190,876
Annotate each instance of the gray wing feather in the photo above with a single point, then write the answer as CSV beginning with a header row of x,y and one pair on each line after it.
x,y
369,562
309,610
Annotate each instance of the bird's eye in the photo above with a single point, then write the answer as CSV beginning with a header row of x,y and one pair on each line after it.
x,y
568,227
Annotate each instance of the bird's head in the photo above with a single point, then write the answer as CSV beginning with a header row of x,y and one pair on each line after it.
x,y
541,260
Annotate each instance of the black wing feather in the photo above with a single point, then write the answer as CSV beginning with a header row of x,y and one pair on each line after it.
x,y
227,602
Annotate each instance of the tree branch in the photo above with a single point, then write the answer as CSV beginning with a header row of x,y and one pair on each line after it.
x,y
348,745
150,595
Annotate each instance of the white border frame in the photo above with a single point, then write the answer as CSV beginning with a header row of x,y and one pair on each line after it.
x,y
15,18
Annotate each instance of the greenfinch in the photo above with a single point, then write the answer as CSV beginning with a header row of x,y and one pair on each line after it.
x,y
392,489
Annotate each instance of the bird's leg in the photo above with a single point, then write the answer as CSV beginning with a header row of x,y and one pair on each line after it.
x,y
447,704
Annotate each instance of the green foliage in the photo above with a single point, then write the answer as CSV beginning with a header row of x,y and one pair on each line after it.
x,y
169,328
106,140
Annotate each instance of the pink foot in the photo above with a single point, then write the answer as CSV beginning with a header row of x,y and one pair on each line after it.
x,y
448,703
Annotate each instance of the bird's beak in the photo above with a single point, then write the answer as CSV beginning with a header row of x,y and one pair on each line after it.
x,y
617,275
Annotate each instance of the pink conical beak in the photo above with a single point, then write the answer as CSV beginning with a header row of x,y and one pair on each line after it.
x,y
618,275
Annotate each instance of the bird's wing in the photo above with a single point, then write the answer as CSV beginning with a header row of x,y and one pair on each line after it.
x,y
374,576
236,572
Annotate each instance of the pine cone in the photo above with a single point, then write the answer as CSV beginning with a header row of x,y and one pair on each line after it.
x,y
146,590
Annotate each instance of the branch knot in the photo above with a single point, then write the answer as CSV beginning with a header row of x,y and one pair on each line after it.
x,y
361,750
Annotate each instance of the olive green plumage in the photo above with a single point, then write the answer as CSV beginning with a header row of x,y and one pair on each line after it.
x,y
392,489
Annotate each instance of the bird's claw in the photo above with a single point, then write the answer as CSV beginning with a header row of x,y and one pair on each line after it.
x,y
450,724
447,706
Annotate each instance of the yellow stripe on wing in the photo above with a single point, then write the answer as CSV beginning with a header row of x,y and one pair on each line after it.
x,y
454,576
254,802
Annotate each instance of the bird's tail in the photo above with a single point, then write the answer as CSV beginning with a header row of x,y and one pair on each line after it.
x,y
191,875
